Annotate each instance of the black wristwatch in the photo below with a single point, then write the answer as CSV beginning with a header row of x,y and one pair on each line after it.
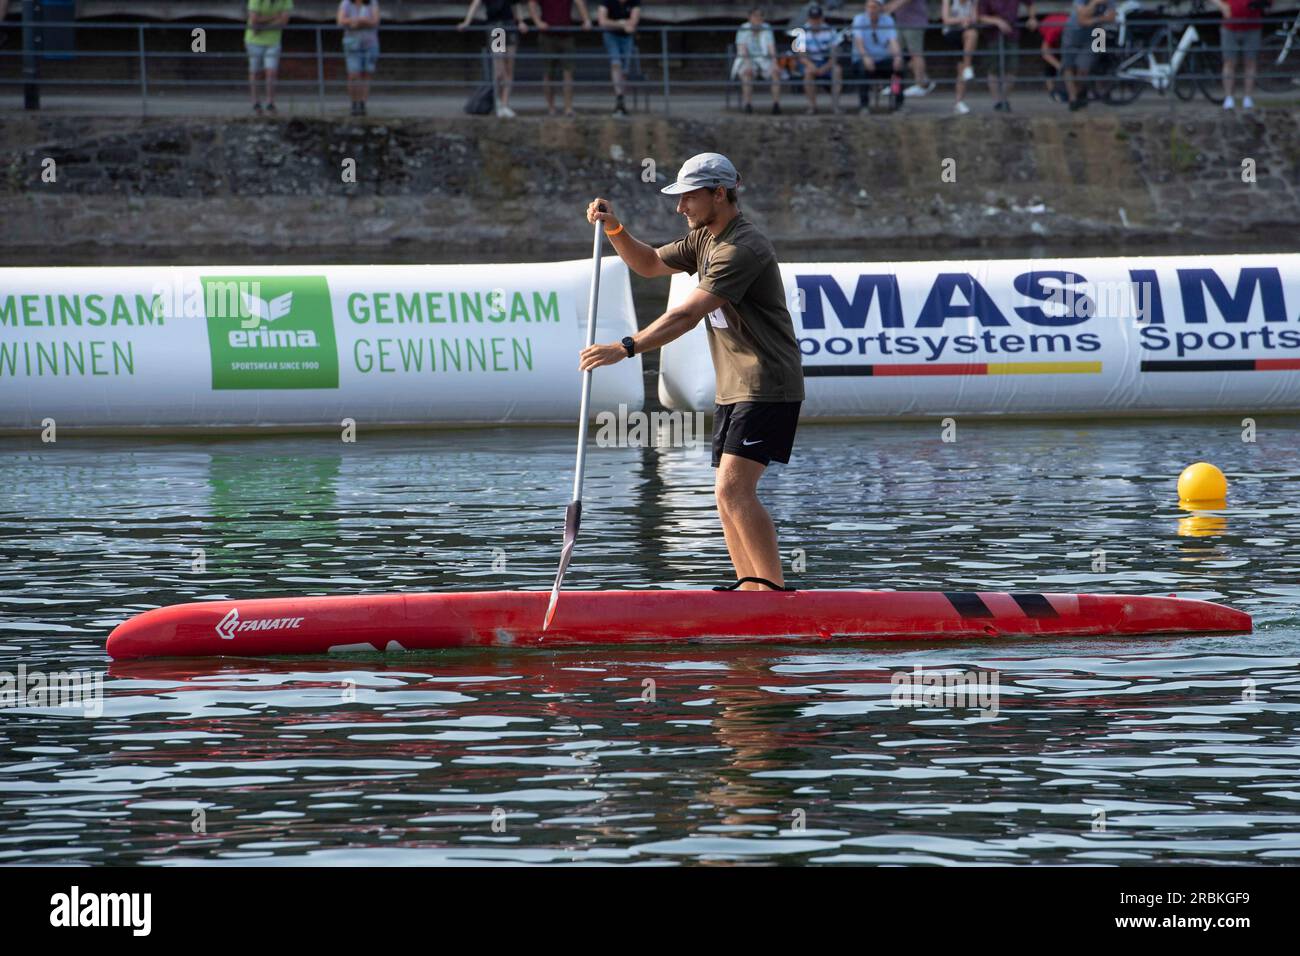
x,y
629,345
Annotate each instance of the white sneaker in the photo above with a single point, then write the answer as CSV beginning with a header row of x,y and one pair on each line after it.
x,y
505,112
1228,103
960,108
916,89
968,73
1247,103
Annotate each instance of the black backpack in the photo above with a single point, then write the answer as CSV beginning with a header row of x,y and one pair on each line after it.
x,y
481,102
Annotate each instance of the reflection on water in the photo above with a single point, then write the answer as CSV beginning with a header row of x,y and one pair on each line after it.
x,y
1156,750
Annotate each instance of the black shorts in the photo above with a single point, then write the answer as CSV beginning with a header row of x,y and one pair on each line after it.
x,y
760,431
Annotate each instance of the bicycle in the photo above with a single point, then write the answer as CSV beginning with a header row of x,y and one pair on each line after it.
x,y
1132,64
1276,74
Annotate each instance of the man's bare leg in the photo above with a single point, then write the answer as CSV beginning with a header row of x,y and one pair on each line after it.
x,y
739,557
746,524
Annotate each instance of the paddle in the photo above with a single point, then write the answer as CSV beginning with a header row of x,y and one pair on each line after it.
x,y
573,513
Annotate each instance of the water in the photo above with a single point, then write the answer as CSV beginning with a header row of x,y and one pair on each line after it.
x,y
1158,750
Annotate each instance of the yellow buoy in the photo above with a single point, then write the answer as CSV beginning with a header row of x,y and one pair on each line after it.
x,y
1202,482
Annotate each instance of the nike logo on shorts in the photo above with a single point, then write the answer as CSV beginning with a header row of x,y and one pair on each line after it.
x,y
754,442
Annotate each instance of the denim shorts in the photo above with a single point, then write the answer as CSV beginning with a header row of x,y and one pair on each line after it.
x,y
1076,49
362,54
1240,43
619,48
262,58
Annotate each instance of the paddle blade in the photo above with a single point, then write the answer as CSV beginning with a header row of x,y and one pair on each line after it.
x,y
572,519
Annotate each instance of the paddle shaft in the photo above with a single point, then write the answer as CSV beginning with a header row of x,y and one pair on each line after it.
x,y
573,514
581,465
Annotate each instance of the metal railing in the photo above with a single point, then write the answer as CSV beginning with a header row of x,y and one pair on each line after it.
x,y
157,59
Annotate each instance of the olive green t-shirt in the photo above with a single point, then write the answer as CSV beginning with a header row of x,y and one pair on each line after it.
x,y
751,336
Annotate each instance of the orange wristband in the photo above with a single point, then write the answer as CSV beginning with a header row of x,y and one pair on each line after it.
x,y
616,231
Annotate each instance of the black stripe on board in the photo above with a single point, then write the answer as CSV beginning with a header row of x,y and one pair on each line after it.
x,y
1034,605
827,371
968,603
1200,365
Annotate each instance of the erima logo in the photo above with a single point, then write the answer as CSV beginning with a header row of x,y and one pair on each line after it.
x,y
257,336
269,309
232,623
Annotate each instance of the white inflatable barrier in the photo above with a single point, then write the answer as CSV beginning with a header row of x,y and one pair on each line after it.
x,y
178,347
1041,337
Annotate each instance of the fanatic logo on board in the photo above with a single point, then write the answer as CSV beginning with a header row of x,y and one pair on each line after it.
x,y
232,623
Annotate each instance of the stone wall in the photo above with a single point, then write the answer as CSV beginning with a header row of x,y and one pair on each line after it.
x,y
474,189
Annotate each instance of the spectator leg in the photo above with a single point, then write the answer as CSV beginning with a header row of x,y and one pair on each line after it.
x,y
918,70
1251,62
1052,76
568,91
746,86
505,66
997,76
270,86
254,79
837,82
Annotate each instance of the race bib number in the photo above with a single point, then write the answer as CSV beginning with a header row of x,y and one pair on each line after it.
x,y
717,319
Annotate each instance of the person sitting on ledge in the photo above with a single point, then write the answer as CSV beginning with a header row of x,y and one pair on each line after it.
x,y
816,45
756,56
877,55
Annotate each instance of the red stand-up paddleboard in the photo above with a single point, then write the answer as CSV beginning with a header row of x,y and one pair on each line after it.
x,y
396,622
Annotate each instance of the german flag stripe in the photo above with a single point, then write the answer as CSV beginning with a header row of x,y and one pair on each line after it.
x,y
953,368
1222,365
968,603
1034,605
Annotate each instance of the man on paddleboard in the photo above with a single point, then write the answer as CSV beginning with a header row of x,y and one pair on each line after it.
x,y
756,356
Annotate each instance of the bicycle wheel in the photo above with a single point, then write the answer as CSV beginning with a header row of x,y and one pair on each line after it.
x,y
1209,69
1279,60
1187,79
1121,92
1110,88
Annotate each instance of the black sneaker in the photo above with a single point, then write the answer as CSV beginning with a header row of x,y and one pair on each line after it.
x,y
776,109
1076,105
362,108
356,108
619,108
257,108
749,107
270,107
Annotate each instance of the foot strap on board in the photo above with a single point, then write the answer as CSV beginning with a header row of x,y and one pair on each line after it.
x,y
732,587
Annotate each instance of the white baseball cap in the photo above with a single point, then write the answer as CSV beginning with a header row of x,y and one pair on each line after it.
x,y
704,171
